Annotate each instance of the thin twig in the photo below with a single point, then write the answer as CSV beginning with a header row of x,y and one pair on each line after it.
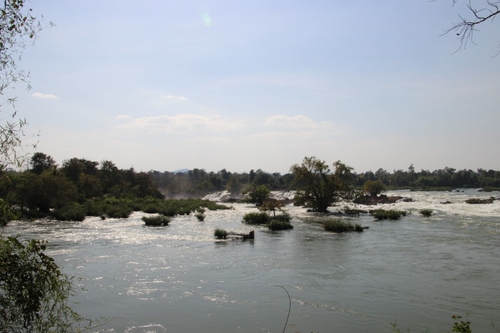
x,y
289,306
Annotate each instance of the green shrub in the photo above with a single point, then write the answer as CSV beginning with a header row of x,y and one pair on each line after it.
x,y
279,225
256,218
117,211
71,212
200,217
156,221
35,295
220,233
285,217
339,226
426,212
382,214
94,207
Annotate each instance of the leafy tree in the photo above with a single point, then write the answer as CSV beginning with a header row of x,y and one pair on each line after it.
x,y
74,167
317,187
46,191
109,175
41,162
34,293
17,26
234,185
257,194
374,187
271,205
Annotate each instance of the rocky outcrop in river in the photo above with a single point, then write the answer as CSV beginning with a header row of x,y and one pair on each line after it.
x,y
227,197
480,201
380,199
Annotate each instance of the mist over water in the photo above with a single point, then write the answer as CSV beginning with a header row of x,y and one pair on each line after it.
x,y
416,271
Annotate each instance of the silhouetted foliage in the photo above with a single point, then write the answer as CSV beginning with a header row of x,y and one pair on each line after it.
x,y
34,293
317,187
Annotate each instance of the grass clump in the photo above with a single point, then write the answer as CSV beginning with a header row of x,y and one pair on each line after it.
x,y
275,225
339,226
392,214
285,217
256,218
426,212
220,233
200,217
156,221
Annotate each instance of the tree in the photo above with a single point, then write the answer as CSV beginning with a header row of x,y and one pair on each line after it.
x,y
257,194
234,185
34,293
477,15
17,26
317,187
41,162
374,187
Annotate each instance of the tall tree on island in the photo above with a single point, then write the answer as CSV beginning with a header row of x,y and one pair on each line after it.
x,y
317,187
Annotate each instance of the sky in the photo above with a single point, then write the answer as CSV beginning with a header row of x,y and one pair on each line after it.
x,y
241,85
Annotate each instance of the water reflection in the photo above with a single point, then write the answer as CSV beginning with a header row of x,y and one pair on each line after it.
x,y
179,278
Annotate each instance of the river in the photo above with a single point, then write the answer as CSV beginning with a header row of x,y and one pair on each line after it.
x,y
416,271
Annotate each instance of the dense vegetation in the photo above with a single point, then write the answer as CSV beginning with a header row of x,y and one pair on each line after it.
x,y
82,188
34,293
198,182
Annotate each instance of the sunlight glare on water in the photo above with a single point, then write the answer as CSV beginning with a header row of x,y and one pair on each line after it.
x,y
416,271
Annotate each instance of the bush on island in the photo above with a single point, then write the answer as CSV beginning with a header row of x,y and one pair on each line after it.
x,y
276,224
426,212
285,217
220,233
382,214
156,221
339,226
256,218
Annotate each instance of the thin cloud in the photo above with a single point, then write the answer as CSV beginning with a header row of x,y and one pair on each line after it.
x,y
44,96
182,123
123,116
295,122
172,97
166,98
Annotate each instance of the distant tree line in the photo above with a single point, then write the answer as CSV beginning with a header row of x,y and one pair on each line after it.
x,y
447,178
198,182
45,186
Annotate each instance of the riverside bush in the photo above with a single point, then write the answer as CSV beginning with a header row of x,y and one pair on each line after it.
x,y
220,233
275,224
71,212
339,226
285,217
200,217
256,218
34,293
392,214
119,211
426,212
156,221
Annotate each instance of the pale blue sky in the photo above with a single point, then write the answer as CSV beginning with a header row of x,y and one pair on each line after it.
x,y
243,85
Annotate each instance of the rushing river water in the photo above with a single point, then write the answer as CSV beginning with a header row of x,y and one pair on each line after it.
x,y
416,271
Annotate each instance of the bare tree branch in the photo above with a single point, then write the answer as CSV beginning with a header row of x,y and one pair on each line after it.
x,y
465,28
